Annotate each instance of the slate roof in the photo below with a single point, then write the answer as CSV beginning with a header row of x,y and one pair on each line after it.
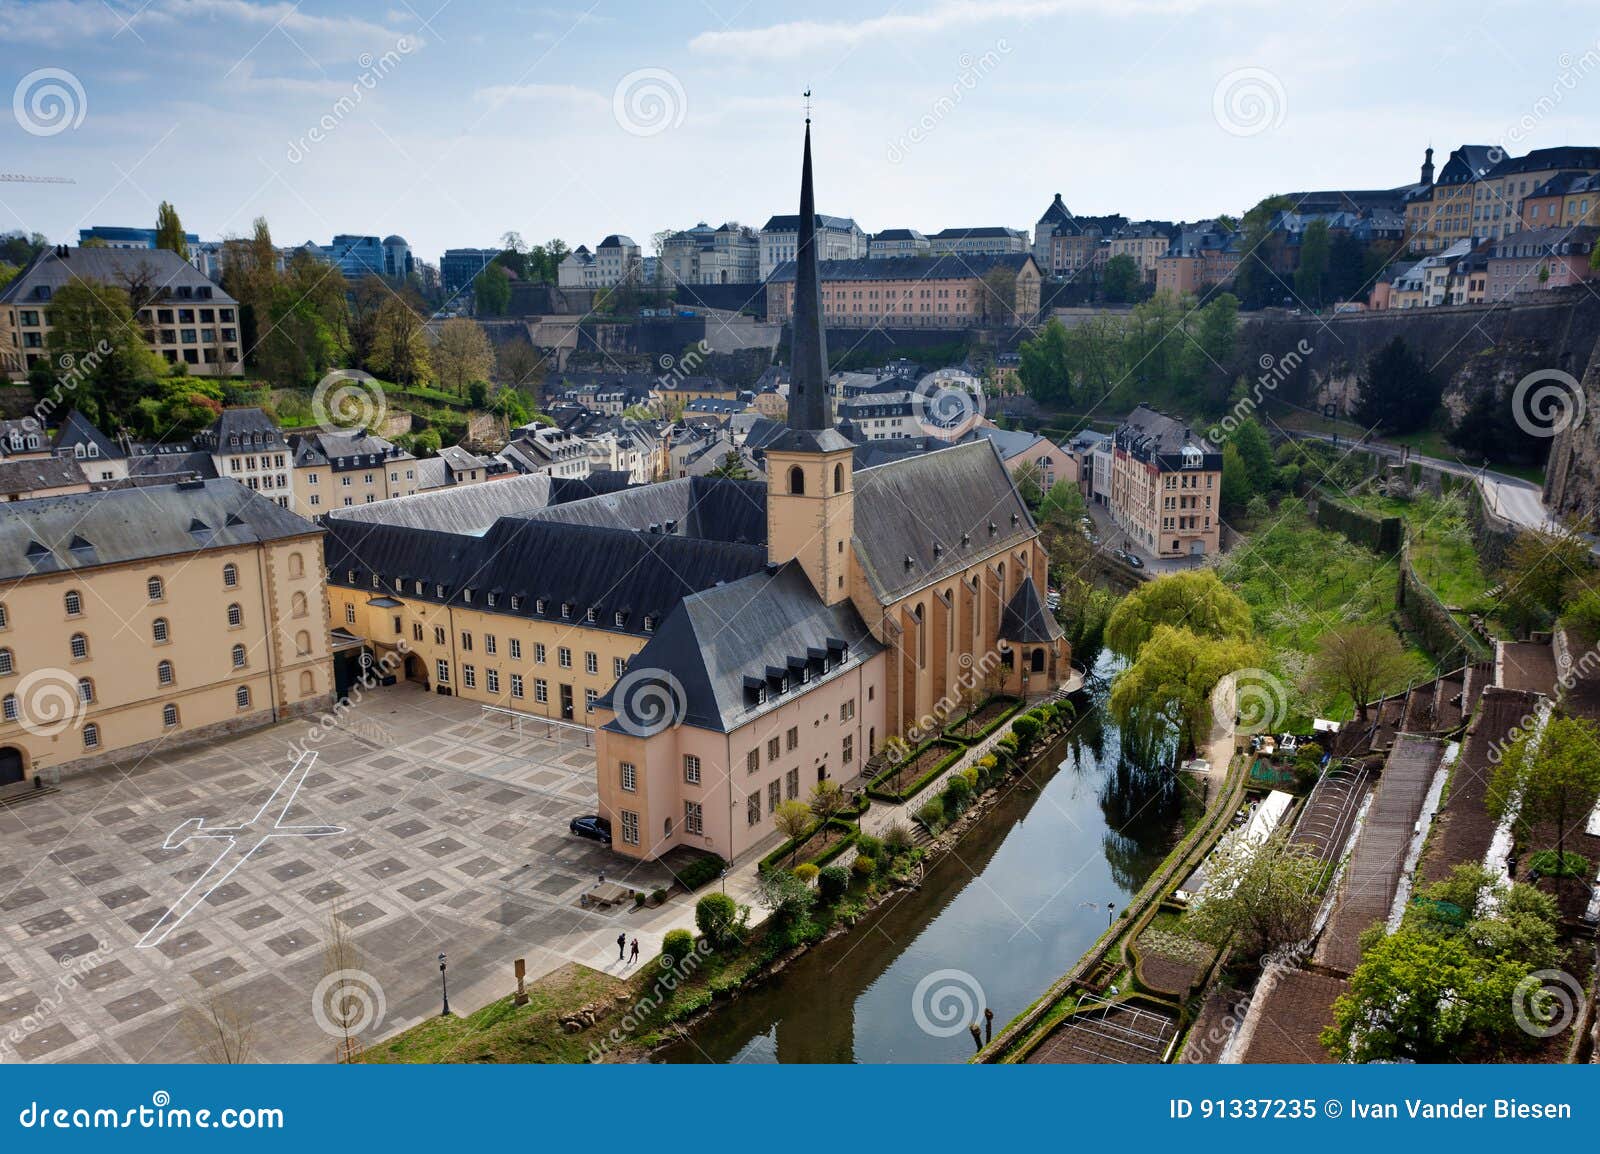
x,y
899,234
76,430
1025,618
357,448
790,222
945,265
27,476
703,508
168,273
195,465
747,629
637,574
982,232
465,509
942,511
118,525
253,428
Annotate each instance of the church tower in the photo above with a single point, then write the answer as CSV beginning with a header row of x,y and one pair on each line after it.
x,y
810,487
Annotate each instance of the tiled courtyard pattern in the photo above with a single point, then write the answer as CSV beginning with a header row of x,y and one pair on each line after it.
x,y
456,841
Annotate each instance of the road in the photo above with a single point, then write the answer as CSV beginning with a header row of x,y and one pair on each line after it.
x,y
1518,501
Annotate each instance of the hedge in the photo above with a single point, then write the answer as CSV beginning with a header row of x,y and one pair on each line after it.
x,y
1383,535
952,732
700,871
779,858
922,782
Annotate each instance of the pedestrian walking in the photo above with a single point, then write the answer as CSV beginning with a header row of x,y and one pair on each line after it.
x,y
633,954
622,946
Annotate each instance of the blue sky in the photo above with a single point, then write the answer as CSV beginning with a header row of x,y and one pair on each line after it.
x,y
451,122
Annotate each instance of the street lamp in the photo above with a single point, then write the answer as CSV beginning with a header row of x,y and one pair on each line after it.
x,y
724,878
1111,913
443,988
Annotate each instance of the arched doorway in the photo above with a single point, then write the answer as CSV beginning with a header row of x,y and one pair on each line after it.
x,y
12,767
416,670
1038,660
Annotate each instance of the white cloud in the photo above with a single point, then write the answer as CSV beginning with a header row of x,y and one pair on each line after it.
x,y
73,22
800,37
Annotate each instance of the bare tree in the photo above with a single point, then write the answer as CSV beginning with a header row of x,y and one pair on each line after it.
x,y
340,956
220,1028
1361,660
518,363
462,354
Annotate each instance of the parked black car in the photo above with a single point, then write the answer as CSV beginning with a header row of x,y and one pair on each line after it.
x,y
593,827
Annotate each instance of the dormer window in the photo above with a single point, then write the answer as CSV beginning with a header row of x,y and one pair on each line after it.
x,y
591,615
620,618
516,602
438,591
566,610
466,596
649,622
538,606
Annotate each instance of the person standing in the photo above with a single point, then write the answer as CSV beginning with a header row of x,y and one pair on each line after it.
x,y
622,946
633,954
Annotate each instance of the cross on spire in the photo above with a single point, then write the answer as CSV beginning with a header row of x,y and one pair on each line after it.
x,y
807,95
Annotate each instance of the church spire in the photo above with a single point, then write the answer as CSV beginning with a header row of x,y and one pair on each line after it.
x,y
808,377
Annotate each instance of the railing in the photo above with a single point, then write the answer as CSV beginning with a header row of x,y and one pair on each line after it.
x,y
552,725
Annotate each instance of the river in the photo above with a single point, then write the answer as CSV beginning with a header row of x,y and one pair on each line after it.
x,y
1020,899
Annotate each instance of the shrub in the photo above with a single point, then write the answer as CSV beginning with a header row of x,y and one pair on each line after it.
x,y
715,915
864,866
1006,747
1551,864
677,945
658,896
931,814
785,895
869,846
956,794
970,776
700,871
1026,730
807,872
897,838
638,897
832,882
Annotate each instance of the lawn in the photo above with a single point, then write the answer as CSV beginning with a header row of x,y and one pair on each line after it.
x,y
1441,544
1301,581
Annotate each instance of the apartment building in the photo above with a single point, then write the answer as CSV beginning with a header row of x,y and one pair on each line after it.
x,y
1166,485
160,615
918,292
837,238
246,445
337,470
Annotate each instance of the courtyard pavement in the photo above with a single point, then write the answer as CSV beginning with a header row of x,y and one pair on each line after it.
x,y
454,839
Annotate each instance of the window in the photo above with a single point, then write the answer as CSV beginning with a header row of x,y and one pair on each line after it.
x,y
541,691
773,797
849,754
155,588
466,641
230,575
441,672
236,615
91,736
564,655
630,827
241,697
516,649
752,761
791,784
74,603
538,652
590,696
691,769
752,809
438,635
772,749
8,664
5,622
164,674
848,709
516,686
169,716
490,643
10,711
85,691
630,776
80,647
693,818
591,663
469,676
416,631
492,680
238,656
792,739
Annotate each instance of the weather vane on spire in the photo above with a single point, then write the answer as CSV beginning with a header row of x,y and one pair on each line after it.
x,y
807,95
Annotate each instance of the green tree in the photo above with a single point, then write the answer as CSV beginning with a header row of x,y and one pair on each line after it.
x,y
786,896
491,291
716,915
1311,277
1538,571
677,945
1166,691
1257,895
1195,600
399,345
1122,279
1397,393
1255,450
1361,660
731,466
827,799
793,819
462,354
1042,365
93,325
1551,777
169,231
1237,484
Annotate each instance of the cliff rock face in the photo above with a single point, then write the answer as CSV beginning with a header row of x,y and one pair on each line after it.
x,y
1572,476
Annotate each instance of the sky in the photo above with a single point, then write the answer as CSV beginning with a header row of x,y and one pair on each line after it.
x,y
452,121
